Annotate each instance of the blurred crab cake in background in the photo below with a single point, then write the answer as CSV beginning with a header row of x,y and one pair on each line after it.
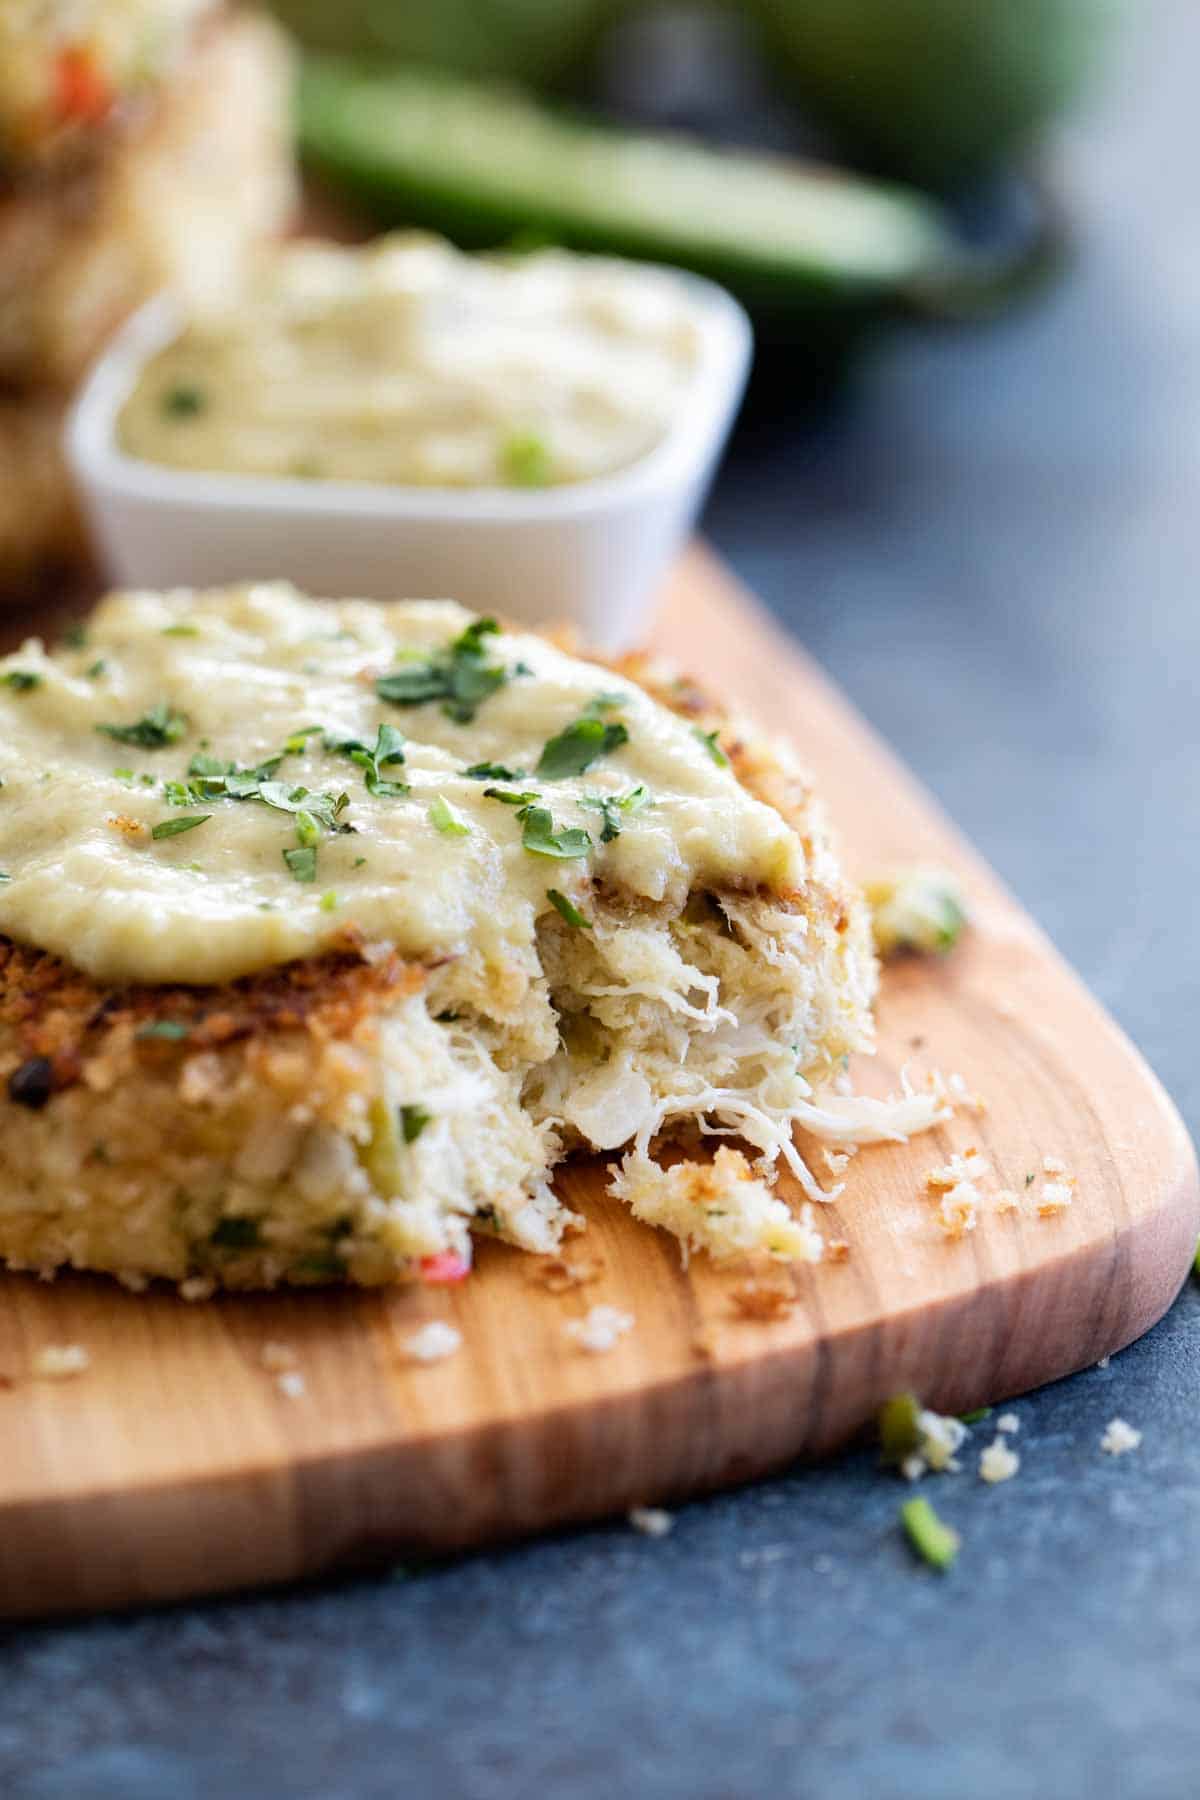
x,y
143,144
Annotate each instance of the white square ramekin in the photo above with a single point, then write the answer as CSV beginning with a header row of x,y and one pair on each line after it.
x,y
589,554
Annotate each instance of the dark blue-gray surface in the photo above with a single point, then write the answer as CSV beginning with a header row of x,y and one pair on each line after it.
x,y
996,554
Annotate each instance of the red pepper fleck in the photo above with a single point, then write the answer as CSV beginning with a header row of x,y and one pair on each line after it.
x,y
447,1265
81,91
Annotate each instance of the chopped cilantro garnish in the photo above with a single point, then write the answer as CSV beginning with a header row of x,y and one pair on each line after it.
x,y
709,740
172,827
511,796
308,832
444,818
1029,1179
973,1418
567,908
612,806
183,400
296,740
413,1120
461,676
929,1536
302,861
488,771
21,680
578,747
317,808
96,669
161,726
236,1233
359,862
170,1030
387,748
525,459
540,837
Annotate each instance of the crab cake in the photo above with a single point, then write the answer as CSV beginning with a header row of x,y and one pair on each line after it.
x,y
331,927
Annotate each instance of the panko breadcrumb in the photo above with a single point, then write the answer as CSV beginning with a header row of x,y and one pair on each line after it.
x,y
998,1461
433,1343
651,1521
1119,1438
600,1329
59,1362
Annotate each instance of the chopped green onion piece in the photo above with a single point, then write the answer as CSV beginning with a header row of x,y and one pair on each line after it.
x,y
569,911
96,669
308,832
973,1418
302,862
21,680
525,460
413,1120
577,747
929,1536
540,838
443,816
899,1428
172,827
709,740
329,902
181,631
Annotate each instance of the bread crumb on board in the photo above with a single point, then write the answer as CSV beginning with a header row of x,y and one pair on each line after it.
x,y
558,1275
998,1461
651,1521
600,1329
1120,1437
433,1343
1008,1422
59,1362
762,1301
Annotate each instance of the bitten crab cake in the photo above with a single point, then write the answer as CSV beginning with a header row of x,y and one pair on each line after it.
x,y
329,928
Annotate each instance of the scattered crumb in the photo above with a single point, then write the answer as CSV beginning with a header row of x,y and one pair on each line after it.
x,y
939,1438
1104,1362
433,1343
762,1301
1052,1165
837,1250
971,1102
651,1521
133,1280
129,828
58,1362
275,1356
600,1329
835,1161
958,1211
1119,1437
998,1462
291,1384
1008,1422
1055,1197
197,1287
970,1166
558,1275
1006,1201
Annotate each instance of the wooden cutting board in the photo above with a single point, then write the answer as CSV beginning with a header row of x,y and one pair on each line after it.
x,y
175,1465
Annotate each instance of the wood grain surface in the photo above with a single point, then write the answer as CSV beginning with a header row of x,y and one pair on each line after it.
x,y
175,1465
